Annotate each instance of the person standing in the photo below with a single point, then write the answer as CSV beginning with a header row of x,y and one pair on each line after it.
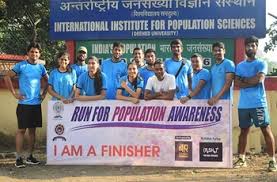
x,y
252,107
201,86
114,68
80,65
180,68
222,75
62,80
28,112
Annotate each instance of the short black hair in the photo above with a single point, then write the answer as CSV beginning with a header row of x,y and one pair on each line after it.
x,y
34,45
118,44
251,39
137,49
158,62
196,55
149,51
175,42
218,44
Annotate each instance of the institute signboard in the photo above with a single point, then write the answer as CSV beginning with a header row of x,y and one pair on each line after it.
x,y
149,19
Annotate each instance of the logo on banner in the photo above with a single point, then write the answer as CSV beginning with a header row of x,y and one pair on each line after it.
x,y
58,108
183,151
59,130
210,151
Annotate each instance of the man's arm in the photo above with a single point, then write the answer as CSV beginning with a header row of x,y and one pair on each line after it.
x,y
190,82
149,96
169,95
8,82
194,92
44,86
198,88
229,77
242,82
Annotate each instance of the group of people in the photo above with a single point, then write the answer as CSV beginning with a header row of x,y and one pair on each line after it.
x,y
144,78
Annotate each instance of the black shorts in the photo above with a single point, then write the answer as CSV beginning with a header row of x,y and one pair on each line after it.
x,y
28,116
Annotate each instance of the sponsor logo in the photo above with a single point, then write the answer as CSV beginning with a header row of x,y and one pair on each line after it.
x,y
58,109
59,130
210,151
183,151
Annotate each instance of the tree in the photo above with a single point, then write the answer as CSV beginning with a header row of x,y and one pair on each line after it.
x,y
272,33
24,21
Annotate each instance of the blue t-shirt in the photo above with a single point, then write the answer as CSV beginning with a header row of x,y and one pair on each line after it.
x,y
130,85
205,92
182,84
29,81
252,97
79,68
218,75
86,84
141,68
114,71
145,74
62,82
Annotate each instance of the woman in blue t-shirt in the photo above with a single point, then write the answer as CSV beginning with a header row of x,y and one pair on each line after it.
x,y
62,80
130,87
92,84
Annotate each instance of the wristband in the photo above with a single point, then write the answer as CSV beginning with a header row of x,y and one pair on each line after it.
x,y
188,96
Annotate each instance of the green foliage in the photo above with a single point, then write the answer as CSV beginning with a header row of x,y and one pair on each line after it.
x,y
24,21
272,33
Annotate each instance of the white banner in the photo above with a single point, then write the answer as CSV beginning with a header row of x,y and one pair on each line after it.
x,y
151,133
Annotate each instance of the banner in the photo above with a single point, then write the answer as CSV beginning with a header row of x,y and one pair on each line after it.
x,y
152,133
103,49
149,19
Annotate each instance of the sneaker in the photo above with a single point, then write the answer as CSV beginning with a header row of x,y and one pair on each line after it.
x,y
272,166
32,160
19,163
240,163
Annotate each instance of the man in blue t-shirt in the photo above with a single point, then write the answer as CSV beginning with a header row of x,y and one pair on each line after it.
x,y
222,75
138,58
200,80
252,107
148,71
29,97
180,68
114,68
80,65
